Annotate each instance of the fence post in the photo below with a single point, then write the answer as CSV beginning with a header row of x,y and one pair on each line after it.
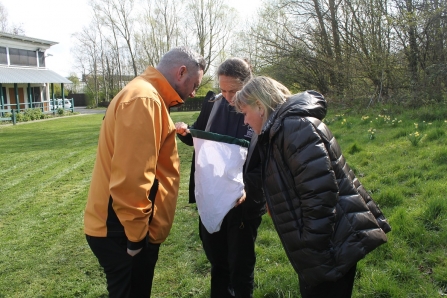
x,y
2,102
52,97
16,92
30,99
13,116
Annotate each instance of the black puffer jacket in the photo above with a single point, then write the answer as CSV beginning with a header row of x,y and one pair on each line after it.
x,y
324,217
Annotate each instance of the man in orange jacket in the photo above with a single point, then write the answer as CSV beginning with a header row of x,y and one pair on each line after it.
x,y
135,181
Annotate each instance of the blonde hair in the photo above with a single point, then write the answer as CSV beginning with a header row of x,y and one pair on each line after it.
x,y
264,91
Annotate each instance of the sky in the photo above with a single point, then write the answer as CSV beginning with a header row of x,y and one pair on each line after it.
x,y
58,20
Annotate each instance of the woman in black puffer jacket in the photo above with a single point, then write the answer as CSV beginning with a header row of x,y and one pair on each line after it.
x,y
325,219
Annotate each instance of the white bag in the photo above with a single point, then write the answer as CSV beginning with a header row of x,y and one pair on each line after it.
x,y
219,162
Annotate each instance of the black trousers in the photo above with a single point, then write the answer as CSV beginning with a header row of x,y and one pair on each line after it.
x,y
126,276
231,252
341,288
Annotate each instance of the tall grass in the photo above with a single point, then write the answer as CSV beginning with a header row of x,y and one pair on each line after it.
x,y
45,170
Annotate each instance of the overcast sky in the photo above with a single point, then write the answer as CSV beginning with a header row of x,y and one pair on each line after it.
x,y
58,20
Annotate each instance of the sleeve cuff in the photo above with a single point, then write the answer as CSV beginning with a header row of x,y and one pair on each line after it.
x,y
136,245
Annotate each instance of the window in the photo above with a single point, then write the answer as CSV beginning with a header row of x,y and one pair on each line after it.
x,y
14,56
22,57
41,59
3,57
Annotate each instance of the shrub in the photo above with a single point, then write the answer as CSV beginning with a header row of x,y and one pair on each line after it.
x,y
371,133
29,115
20,117
415,138
34,114
60,111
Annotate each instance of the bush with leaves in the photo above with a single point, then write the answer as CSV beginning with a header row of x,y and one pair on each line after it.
x,y
415,138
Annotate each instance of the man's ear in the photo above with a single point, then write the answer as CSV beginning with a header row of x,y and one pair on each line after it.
x,y
181,72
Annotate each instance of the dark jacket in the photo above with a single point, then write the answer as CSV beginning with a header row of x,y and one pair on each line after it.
x,y
227,122
323,215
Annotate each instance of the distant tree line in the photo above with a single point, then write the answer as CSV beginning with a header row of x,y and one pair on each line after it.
x,y
125,36
353,51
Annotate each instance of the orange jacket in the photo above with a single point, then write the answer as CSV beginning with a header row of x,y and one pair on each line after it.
x,y
136,147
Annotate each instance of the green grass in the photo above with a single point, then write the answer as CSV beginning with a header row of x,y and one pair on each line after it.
x,y
45,169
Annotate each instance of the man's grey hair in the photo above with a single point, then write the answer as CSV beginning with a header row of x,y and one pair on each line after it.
x,y
179,56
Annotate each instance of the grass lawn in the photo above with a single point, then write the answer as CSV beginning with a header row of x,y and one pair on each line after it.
x,y
45,168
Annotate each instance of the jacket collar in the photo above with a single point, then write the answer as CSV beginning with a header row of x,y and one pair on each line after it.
x,y
169,95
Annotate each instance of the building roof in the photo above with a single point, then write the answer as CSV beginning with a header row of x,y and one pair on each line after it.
x,y
10,75
27,39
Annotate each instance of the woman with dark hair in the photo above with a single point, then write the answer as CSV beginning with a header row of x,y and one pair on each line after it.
x,y
324,217
231,250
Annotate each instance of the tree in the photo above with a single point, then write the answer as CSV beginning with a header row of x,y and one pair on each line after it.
x,y
290,47
75,83
211,22
87,56
247,46
342,48
422,30
407,9
367,38
160,30
346,49
58,91
3,18
114,40
117,15
4,23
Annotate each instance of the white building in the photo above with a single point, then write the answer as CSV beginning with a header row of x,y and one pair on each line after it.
x,y
25,82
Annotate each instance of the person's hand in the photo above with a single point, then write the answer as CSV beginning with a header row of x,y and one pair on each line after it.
x,y
241,199
181,128
132,253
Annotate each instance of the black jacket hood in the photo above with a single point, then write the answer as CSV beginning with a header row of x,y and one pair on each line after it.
x,y
306,104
